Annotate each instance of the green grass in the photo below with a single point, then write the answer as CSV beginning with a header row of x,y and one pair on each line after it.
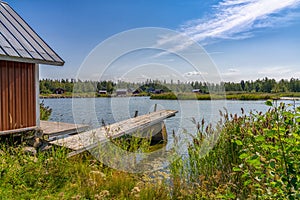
x,y
185,96
71,95
228,96
54,176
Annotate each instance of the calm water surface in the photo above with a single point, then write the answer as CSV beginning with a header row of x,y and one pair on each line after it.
x,y
95,110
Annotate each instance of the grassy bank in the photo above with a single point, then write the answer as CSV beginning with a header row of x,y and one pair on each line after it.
x,y
228,96
85,95
53,176
255,156
74,95
184,96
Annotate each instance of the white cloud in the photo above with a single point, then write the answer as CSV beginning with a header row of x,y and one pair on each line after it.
x,y
233,19
231,74
233,70
275,71
194,73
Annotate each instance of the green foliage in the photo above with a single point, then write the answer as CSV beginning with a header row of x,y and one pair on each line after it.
x,y
229,96
169,96
45,111
256,157
265,85
51,175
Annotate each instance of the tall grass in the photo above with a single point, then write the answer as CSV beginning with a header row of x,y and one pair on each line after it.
x,y
54,176
256,157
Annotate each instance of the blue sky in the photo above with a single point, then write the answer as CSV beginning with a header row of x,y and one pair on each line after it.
x,y
247,39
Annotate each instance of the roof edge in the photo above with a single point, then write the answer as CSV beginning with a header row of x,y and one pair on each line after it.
x,y
30,60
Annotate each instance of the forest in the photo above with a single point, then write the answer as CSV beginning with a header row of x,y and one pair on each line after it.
x,y
265,85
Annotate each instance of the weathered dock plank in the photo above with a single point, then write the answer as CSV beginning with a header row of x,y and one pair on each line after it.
x,y
54,130
290,98
90,139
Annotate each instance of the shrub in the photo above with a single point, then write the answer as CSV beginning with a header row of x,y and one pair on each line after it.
x,y
45,111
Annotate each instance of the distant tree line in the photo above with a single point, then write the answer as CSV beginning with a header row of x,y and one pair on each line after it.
x,y
48,86
266,85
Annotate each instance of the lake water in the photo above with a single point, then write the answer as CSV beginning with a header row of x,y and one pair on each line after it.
x,y
93,111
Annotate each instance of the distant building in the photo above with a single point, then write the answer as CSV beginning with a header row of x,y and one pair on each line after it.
x,y
150,90
102,92
196,91
158,91
121,92
130,90
137,91
59,91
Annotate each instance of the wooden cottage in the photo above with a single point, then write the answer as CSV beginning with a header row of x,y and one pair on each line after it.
x,y
59,91
121,92
21,52
102,92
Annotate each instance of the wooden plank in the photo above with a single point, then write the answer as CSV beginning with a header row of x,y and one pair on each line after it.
x,y
4,96
34,103
18,95
55,130
11,92
290,98
1,111
1,101
24,95
92,138
19,130
28,95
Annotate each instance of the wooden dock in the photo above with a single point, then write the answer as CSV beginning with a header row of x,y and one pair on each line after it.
x,y
91,139
290,98
55,130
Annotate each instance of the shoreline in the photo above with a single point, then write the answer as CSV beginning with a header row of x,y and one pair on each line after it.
x,y
191,96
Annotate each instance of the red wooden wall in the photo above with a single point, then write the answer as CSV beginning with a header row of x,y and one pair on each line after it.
x,y
18,100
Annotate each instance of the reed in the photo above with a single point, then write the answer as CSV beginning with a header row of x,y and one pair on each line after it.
x,y
257,156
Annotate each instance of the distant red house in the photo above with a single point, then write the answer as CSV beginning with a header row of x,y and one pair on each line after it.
x,y
102,92
59,91
21,52
158,91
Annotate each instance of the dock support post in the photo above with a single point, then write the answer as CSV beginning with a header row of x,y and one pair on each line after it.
x,y
161,136
155,107
136,113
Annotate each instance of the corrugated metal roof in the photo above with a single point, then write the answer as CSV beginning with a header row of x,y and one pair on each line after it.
x,y
19,42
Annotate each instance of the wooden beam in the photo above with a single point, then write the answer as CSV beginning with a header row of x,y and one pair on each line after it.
x,y
20,130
